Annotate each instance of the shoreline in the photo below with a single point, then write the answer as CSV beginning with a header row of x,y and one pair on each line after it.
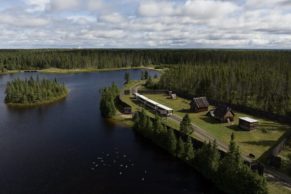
x,y
89,70
47,102
79,70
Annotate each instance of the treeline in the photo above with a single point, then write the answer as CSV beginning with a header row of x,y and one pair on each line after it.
x,y
108,58
107,101
34,91
261,86
228,172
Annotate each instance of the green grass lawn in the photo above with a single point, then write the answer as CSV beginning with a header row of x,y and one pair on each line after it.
x,y
285,155
257,141
275,188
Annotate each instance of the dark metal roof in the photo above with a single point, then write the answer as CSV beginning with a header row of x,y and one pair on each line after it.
x,y
200,102
221,111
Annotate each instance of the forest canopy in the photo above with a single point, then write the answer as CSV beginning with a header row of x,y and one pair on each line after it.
x,y
109,58
259,79
34,91
262,87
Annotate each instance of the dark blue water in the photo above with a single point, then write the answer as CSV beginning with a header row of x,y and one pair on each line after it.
x,y
68,148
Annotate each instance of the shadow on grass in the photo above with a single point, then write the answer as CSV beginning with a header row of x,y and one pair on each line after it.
x,y
268,126
236,128
210,120
268,143
185,111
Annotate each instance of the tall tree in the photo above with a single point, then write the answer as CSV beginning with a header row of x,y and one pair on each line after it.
x,y
189,150
171,141
127,77
185,125
180,148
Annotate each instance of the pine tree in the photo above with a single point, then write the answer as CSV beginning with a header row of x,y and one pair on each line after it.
x,y
189,150
127,77
180,148
185,125
171,141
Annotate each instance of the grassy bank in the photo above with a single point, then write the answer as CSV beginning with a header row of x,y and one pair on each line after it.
x,y
275,188
9,72
222,131
256,142
47,102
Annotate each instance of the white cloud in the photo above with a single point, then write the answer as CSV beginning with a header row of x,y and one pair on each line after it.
x,y
37,5
61,5
147,23
112,18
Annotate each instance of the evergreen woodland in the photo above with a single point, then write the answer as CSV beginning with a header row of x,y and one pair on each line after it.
x,y
228,172
107,102
34,91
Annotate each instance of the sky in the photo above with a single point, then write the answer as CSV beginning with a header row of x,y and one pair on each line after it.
x,y
251,24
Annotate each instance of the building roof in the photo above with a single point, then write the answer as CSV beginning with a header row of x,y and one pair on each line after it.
x,y
153,102
221,111
248,119
201,102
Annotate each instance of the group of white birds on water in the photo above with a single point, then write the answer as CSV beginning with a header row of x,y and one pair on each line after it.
x,y
120,160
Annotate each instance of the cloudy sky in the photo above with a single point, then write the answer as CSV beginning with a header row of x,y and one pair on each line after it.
x,y
145,24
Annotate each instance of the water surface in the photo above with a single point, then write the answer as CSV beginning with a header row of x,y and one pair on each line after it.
x,y
68,148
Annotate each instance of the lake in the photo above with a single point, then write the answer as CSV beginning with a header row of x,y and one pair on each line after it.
x,y
67,147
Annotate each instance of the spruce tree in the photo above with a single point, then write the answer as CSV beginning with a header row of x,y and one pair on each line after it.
x,y
126,77
189,150
171,141
185,125
180,148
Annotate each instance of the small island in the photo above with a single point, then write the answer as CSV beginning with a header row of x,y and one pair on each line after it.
x,y
34,92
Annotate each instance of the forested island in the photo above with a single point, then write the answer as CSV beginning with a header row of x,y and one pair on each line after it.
x,y
31,92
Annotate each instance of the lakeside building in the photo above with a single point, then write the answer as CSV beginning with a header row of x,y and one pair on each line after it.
x,y
159,108
199,104
222,113
247,123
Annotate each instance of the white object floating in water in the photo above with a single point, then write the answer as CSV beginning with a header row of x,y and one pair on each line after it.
x,y
121,165
142,179
120,173
124,156
126,166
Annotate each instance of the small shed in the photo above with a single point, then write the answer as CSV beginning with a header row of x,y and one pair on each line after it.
x,y
199,104
173,96
247,123
222,113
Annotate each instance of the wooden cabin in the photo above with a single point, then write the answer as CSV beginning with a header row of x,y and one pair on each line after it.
x,y
247,123
223,114
199,104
